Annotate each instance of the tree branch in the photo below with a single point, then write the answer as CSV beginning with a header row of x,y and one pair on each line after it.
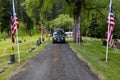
x,y
85,6
68,1
100,13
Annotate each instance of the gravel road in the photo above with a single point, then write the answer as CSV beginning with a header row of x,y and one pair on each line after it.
x,y
56,62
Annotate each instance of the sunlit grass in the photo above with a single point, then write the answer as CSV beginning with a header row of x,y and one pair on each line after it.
x,y
93,52
6,49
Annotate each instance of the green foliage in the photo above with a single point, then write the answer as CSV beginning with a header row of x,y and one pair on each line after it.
x,y
68,9
63,21
31,12
93,26
47,9
5,16
100,9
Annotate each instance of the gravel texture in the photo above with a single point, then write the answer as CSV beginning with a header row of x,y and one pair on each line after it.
x,y
56,62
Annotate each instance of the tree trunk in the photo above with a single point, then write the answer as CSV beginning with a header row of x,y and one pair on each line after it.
x,y
74,28
76,15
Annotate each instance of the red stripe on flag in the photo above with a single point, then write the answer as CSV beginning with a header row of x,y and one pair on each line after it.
x,y
111,25
14,25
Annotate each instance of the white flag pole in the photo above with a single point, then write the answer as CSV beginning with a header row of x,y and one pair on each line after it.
x,y
108,35
18,46
107,49
16,33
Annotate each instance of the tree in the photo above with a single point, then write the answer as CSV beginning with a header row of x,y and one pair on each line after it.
x,y
62,21
77,4
5,16
93,27
31,13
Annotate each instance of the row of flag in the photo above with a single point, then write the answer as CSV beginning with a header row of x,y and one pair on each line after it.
x,y
15,25
111,24
44,30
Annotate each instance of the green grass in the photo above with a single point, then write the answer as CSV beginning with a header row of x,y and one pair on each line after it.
x,y
93,52
5,51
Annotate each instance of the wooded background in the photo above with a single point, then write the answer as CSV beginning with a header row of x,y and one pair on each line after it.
x,y
61,13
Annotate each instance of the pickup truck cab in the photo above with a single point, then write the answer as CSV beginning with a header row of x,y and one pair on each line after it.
x,y
58,36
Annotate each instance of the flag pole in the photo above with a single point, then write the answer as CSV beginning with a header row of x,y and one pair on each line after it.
x,y
18,46
108,35
107,48
107,42
16,33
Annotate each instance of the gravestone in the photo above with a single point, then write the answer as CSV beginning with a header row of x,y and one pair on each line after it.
x,y
2,70
12,58
118,45
19,41
38,43
104,42
31,49
40,40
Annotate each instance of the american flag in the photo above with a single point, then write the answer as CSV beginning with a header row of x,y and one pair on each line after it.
x,y
47,30
111,24
42,28
78,28
13,23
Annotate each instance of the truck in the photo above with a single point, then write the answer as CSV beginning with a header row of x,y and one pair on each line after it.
x,y
58,36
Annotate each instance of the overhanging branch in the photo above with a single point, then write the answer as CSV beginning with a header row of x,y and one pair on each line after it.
x,y
85,6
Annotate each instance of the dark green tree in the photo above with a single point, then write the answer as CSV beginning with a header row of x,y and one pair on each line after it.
x,y
5,16
93,27
77,6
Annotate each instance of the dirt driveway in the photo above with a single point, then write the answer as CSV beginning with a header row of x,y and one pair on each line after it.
x,y
56,62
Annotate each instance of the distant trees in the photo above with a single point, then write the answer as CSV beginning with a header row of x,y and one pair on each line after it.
x,y
23,16
62,21
4,16
5,6
39,9
93,14
100,9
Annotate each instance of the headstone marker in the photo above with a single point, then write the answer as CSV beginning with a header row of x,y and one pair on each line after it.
x,y
2,70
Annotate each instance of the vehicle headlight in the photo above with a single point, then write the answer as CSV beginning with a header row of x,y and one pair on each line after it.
x,y
54,38
62,38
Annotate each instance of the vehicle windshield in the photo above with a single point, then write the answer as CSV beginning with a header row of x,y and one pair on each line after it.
x,y
55,34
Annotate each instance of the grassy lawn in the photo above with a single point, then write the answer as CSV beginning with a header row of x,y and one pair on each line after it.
x,y
93,52
25,46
